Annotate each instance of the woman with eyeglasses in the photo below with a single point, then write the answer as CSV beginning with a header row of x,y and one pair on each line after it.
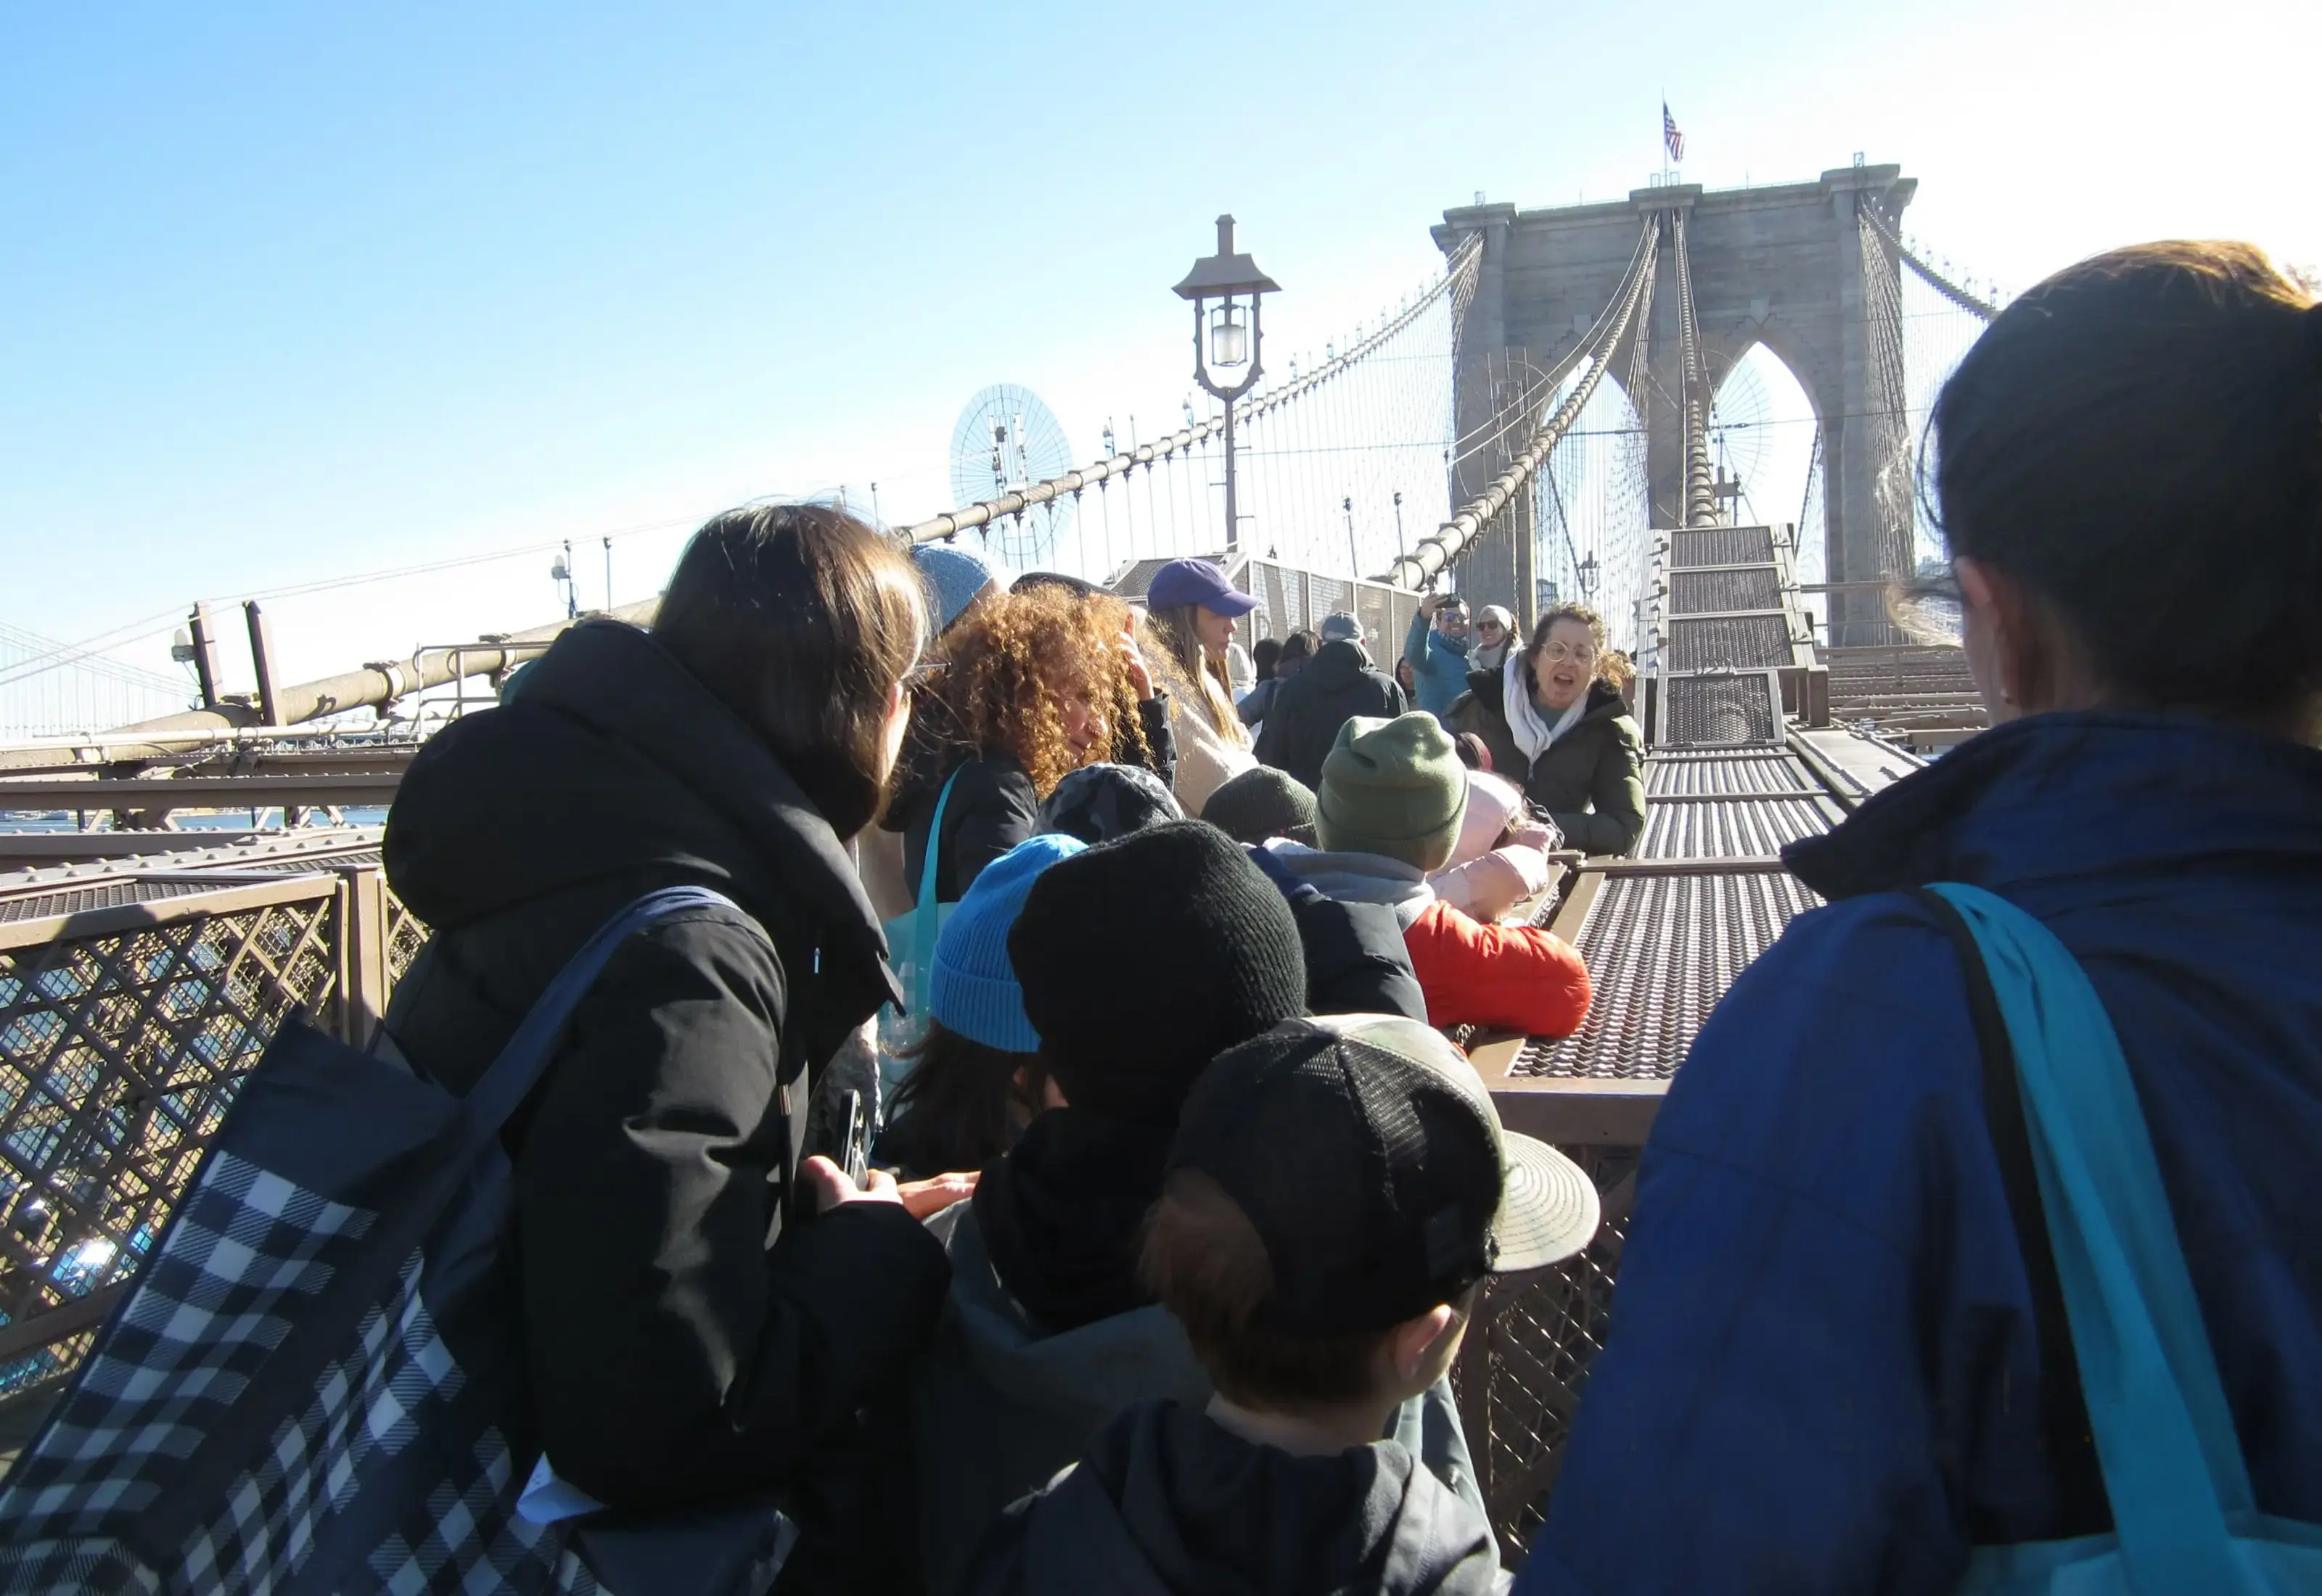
x,y
1552,721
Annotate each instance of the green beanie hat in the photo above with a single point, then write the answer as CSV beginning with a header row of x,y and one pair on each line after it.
x,y
1392,787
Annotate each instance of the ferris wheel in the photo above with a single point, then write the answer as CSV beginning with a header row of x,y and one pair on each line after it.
x,y
1007,438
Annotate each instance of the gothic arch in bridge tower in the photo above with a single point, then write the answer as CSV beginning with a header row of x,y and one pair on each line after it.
x,y
1783,266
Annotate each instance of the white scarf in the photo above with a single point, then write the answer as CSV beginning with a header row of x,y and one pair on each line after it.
x,y
1534,736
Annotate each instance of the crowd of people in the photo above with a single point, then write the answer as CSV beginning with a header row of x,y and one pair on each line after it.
x,y
1183,1196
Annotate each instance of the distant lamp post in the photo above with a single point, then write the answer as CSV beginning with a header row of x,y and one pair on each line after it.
x,y
1224,289
1589,573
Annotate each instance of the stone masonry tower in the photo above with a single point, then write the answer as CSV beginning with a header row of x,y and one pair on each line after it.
x,y
1783,266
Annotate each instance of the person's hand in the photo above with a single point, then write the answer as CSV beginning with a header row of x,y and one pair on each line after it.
x,y
826,1185
1536,833
923,1199
1431,603
1132,661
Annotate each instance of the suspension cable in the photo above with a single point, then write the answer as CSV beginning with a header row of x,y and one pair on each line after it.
x,y
1593,356
1462,267
1700,494
1967,301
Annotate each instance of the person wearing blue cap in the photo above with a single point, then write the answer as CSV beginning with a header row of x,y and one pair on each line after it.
x,y
956,578
1191,609
975,1082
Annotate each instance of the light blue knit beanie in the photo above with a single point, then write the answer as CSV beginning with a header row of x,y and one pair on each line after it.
x,y
953,575
972,987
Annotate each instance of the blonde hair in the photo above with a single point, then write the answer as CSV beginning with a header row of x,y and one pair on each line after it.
x,y
1202,679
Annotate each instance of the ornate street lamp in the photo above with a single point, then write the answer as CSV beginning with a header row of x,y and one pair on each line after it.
x,y
1588,570
1224,288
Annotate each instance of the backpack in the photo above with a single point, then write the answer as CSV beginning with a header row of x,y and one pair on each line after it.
x,y
315,1382
2183,1515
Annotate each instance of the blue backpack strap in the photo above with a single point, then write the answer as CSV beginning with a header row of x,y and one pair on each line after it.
x,y
511,1076
2172,1463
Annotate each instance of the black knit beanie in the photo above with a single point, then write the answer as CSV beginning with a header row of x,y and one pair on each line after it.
x,y
1263,802
1144,957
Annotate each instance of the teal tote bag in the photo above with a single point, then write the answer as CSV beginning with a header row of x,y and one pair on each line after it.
x,y
2184,1518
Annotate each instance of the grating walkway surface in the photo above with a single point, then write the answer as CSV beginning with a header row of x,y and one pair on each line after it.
x,y
1662,950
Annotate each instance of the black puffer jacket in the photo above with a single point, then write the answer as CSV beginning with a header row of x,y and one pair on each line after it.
x,y
1591,781
689,1337
993,806
1338,682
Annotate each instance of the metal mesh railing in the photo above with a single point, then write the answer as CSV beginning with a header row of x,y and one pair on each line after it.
x,y
1721,545
121,1050
1708,592
1520,1376
1732,643
1722,709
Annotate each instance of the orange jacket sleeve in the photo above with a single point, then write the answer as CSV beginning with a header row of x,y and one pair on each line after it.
x,y
1514,978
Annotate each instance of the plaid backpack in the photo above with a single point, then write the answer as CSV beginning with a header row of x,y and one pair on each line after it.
x,y
315,1383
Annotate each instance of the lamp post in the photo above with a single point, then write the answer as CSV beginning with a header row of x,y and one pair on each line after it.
x,y
1588,570
1224,289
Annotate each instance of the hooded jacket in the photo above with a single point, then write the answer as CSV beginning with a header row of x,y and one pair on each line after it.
x,y
1591,781
993,806
1303,720
1439,665
1825,1340
687,1336
1169,1502
1004,1398
1513,978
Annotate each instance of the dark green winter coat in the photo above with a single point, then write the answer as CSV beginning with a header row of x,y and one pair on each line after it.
x,y
1591,781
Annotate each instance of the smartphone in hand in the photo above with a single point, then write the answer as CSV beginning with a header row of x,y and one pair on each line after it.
x,y
854,1147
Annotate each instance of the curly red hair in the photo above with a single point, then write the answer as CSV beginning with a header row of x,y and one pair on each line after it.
x,y
1010,661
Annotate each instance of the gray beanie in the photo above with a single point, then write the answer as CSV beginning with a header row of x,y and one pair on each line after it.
x,y
1392,787
1098,803
1263,802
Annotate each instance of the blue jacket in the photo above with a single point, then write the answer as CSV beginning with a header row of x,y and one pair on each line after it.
x,y
1439,664
1819,1372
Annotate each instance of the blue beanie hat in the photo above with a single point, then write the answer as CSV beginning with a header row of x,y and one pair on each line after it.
x,y
953,575
971,987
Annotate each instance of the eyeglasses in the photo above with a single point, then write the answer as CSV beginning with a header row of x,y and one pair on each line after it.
x,y
1556,654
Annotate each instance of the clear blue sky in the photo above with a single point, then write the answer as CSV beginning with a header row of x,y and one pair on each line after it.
x,y
292,292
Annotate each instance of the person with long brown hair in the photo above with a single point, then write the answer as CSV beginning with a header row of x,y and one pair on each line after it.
x,y
1189,626
1852,1352
1028,688
705,1313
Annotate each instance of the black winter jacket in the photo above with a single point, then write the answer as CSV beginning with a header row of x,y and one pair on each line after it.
x,y
1168,1502
1304,721
689,1337
993,806
1591,781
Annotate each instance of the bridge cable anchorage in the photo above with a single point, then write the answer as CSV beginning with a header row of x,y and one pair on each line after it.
x,y
1592,357
1458,280
1879,224
1700,487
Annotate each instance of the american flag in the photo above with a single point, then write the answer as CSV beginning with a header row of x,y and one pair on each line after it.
x,y
1670,137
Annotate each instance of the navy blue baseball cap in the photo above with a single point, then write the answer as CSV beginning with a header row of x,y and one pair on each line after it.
x,y
1196,581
